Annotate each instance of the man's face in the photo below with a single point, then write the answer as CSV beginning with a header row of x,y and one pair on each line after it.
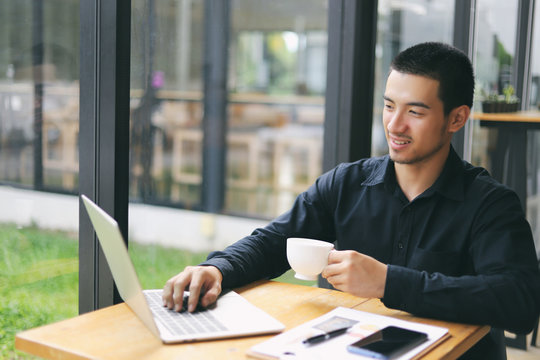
x,y
413,118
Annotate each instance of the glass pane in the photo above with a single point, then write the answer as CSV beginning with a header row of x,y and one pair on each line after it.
x,y
494,59
533,152
277,80
166,102
39,121
402,24
275,122
166,137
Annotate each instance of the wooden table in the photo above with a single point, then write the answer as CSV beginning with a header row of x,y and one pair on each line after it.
x,y
116,333
528,118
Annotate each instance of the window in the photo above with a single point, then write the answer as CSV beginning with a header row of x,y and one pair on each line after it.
x,y
533,151
402,24
166,102
494,62
274,120
39,120
277,81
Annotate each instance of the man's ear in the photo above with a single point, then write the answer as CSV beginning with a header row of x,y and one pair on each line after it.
x,y
458,117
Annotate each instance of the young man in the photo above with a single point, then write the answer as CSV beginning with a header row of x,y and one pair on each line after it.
x,y
420,229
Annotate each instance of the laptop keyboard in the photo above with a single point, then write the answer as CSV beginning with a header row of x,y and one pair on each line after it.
x,y
182,323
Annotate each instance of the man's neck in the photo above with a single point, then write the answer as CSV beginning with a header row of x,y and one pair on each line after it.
x,y
414,179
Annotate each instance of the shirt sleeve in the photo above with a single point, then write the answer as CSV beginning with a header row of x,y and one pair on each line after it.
x,y
503,291
263,254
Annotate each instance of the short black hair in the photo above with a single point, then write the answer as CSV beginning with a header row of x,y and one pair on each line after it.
x,y
442,62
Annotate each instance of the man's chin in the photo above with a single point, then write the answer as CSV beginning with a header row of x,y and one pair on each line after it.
x,y
397,157
402,161
402,158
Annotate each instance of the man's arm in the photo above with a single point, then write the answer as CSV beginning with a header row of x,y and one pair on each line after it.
x,y
261,255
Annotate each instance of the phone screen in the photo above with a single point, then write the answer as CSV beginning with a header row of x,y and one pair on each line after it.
x,y
388,343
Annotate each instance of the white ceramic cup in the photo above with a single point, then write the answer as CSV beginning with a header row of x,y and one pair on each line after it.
x,y
307,257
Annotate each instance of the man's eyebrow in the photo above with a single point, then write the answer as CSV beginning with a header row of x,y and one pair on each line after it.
x,y
413,103
419,104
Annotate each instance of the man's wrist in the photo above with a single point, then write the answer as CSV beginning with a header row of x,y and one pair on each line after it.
x,y
382,282
215,270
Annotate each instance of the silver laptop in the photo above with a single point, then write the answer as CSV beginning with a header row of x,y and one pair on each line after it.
x,y
232,315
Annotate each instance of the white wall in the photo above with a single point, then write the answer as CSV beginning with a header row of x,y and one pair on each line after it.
x,y
148,224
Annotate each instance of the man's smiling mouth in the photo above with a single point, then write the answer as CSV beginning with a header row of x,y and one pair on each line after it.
x,y
398,142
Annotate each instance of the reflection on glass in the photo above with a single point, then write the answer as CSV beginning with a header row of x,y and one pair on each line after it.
x,y
535,64
494,58
277,80
275,113
39,121
402,24
166,138
166,101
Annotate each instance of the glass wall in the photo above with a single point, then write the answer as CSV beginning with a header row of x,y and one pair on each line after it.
x,y
495,44
39,121
165,135
274,120
277,80
39,94
402,24
166,106
533,141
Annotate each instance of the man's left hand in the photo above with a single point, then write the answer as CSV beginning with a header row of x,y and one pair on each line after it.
x,y
355,273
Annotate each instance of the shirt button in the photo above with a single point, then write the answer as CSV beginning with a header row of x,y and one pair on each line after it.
x,y
400,245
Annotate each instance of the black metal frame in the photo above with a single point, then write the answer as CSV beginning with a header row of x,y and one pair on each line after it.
x,y
464,24
104,137
216,44
352,35
37,70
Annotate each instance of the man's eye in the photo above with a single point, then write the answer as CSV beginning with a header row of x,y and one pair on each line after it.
x,y
414,112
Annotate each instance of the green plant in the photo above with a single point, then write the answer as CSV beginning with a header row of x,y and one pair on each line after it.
x,y
494,102
509,94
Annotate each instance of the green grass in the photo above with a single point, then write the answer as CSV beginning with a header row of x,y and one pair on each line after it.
x,y
38,281
39,277
156,264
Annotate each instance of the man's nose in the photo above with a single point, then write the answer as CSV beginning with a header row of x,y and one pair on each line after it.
x,y
397,123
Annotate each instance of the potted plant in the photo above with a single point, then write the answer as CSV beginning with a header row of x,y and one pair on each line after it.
x,y
498,103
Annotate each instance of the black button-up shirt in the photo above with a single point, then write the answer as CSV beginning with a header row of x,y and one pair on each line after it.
x,y
461,251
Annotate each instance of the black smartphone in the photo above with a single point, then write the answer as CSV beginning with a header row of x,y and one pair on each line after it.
x,y
388,343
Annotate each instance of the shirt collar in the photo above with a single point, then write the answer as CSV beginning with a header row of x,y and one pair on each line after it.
x,y
379,173
449,183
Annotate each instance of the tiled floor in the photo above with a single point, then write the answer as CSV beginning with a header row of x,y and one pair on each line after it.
x,y
532,352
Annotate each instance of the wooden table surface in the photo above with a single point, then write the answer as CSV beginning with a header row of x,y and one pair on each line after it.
x,y
116,333
519,116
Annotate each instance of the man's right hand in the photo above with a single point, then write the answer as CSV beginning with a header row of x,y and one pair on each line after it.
x,y
201,281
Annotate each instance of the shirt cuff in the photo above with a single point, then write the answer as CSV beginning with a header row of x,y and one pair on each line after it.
x,y
402,288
